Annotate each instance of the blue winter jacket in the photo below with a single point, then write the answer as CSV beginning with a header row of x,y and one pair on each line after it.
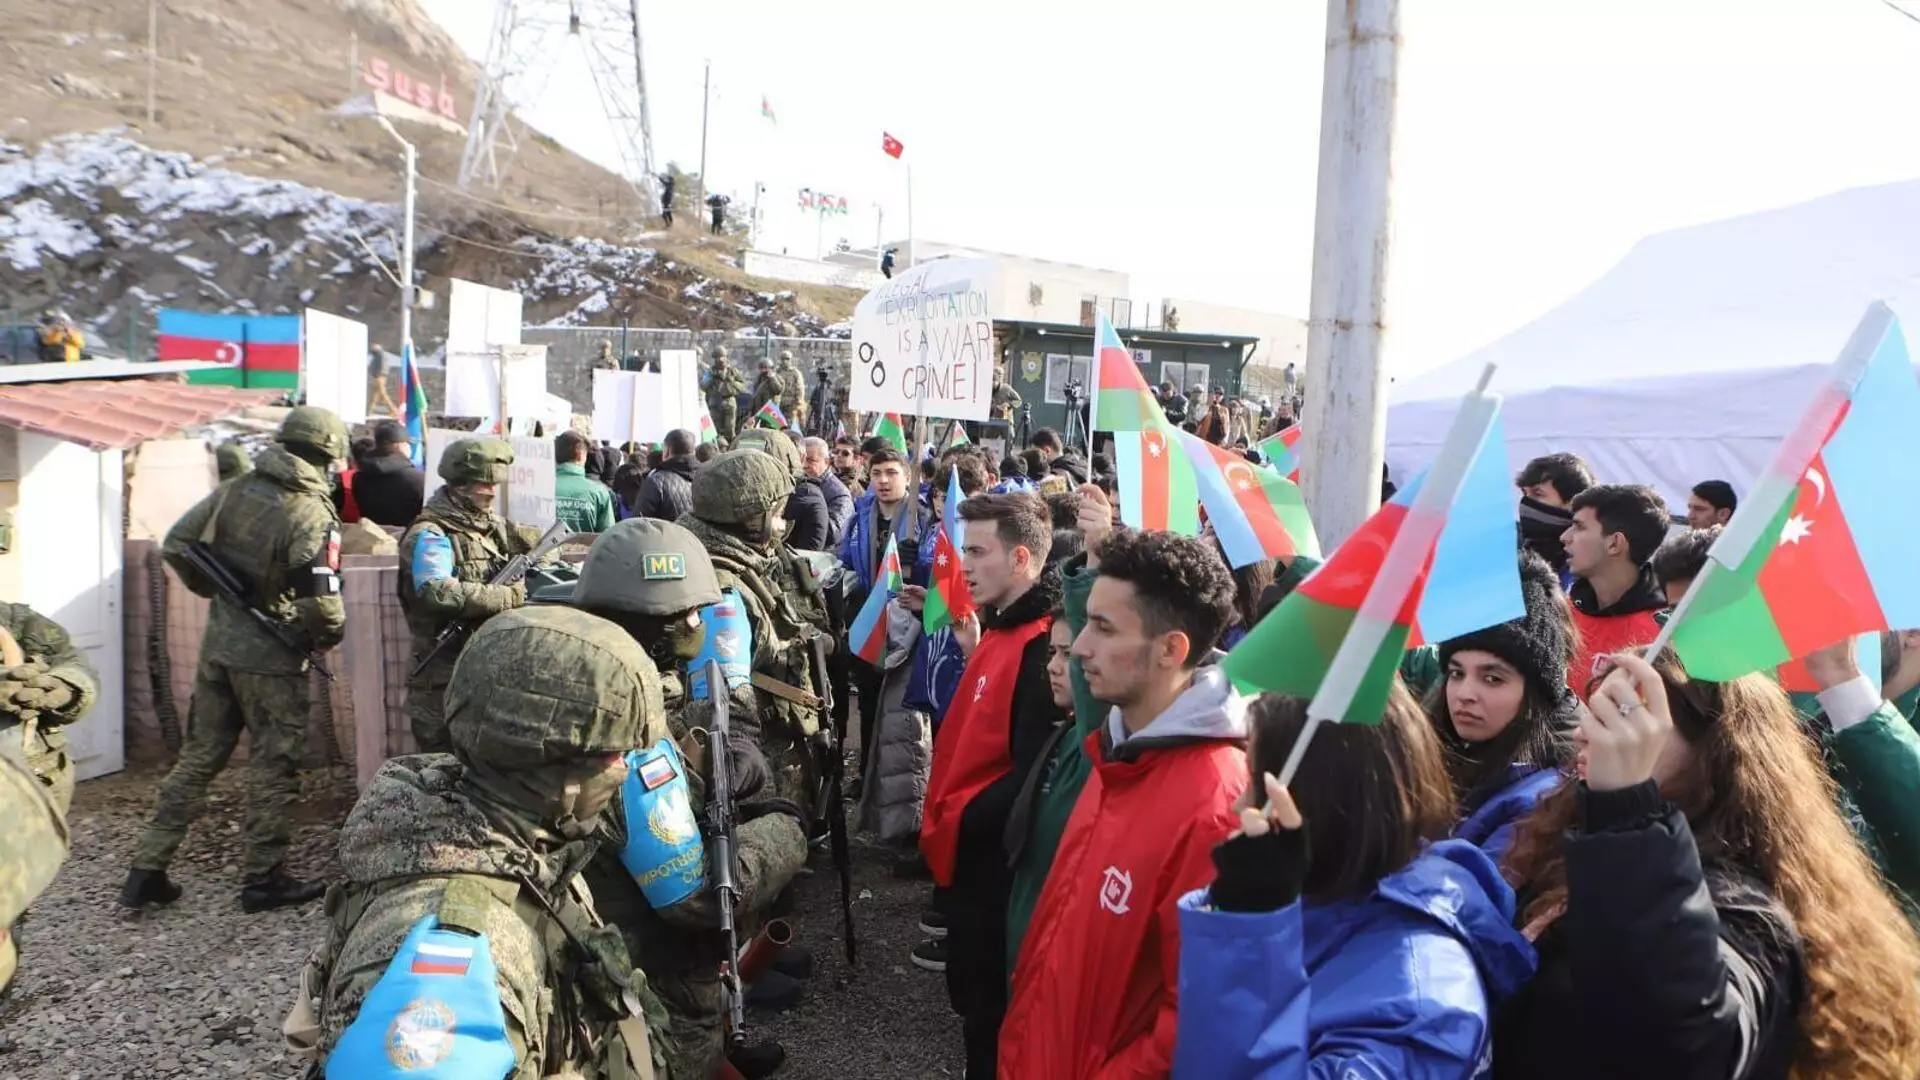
x,y
1399,985
1492,824
910,523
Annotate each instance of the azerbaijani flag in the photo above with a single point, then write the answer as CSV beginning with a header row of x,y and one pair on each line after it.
x,y
261,351
1436,562
889,428
413,404
1156,481
707,431
948,597
869,631
771,416
1822,548
1256,513
839,430
956,436
1121,398
1282,450
766,109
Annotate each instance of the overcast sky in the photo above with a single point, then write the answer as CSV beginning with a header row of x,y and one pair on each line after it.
x,y
1538,139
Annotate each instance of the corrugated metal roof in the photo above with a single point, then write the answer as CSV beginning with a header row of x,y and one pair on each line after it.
x,y
119,415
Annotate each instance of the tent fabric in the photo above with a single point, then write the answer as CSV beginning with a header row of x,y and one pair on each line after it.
x,y
1692,357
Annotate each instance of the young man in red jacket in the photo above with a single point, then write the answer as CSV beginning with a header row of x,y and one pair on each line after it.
x,y
1094,991
994,732
1616,600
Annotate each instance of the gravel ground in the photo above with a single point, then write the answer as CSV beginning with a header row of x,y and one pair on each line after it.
x,y
199,989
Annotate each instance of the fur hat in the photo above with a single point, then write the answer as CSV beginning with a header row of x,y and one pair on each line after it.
x,y
1537,644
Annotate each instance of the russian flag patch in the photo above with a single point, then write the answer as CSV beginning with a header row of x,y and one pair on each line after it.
x,y
433,958
656,771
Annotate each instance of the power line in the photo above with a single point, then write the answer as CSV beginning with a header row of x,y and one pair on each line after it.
x,y
1901,11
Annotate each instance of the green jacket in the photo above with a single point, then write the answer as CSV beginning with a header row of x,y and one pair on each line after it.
x,y
584,504
1876,764
1062,774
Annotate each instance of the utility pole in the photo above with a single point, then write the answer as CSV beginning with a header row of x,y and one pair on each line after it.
x,y
153,58
1345,414
406,257
706,86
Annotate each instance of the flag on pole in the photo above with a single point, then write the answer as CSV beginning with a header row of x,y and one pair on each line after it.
x,y
1282,451
948,598
766,110
1821,549
707,431
839,430
1121,398
869,631
956,436
771,416
1339,637
890,428
1256,513
414,406
891,146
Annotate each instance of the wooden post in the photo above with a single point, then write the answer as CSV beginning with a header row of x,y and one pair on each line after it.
x,y
1345,413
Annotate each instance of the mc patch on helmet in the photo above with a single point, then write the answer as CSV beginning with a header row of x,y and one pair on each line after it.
x,y
664,566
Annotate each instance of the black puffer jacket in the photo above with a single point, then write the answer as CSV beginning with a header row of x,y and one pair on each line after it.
x,y
389,490
1659,968
809,524
667,492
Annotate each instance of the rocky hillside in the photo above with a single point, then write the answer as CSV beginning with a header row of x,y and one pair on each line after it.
x,y
250,193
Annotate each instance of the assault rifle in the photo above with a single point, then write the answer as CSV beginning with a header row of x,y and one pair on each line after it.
x,y
725,893
233,587
514,572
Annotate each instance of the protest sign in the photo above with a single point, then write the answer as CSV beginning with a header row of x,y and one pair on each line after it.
x,y
642,406
479,321
336,364
473,381
926,337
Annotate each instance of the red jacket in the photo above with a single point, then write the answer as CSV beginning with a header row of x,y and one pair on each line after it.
x,y
973,747
1095,987
1632,620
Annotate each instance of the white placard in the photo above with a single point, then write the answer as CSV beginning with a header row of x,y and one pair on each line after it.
x,y
642,406
437,441
335,361
928,334
473,381
480,318
613,405
530,483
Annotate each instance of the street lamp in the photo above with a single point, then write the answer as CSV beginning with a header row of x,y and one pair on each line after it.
x,y
406,250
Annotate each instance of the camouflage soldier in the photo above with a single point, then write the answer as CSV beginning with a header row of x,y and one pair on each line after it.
x,y
232,460
32,846
275,528
724,387
738,501
793,390
604,360
51,687
446,557
765,388
656,581
464,939
1005,397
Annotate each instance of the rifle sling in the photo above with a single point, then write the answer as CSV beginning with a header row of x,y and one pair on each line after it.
x,y
786,691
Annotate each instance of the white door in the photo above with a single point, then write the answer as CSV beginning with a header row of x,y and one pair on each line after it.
x,y
68,532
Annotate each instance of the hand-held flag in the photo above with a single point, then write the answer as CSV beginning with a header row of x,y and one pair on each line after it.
x,y
948,597
1820,551
869,631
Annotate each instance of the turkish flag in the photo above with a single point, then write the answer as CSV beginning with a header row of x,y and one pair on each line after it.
x,y
894,147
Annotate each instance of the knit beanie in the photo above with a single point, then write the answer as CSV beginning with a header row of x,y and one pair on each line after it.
x,y
1537,643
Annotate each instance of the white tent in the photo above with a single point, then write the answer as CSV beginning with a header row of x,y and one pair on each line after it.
x,y
1692,357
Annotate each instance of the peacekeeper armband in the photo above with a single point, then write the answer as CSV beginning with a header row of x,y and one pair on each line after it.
x,y
434,1015
729,640
321,577
663,851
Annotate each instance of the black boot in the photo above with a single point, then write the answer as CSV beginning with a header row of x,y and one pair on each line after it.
x,y
757,1060
279,891
774,992
145,887
794,961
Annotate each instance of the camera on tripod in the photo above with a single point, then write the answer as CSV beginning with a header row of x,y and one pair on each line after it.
x,y
1075,391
